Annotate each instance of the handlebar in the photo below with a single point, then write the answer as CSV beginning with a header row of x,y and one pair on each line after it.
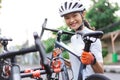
x,y
63,32
4,42
9,54
53,30
5,39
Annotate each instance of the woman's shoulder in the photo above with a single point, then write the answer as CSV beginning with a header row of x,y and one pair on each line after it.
x,y
87,30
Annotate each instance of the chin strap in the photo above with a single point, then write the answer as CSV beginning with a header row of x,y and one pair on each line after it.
x,y
80,28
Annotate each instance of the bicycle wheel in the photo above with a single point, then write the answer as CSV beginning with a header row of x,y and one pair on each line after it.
x,y
97,77
2,75
64,73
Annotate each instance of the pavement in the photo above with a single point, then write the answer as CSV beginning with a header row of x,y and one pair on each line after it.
x,y
114,68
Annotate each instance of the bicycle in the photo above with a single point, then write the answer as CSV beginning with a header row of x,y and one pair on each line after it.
x,y
56,62
15,70
14,73
88,42
4,42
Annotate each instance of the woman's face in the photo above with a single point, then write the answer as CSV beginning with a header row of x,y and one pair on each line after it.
x,y
73,20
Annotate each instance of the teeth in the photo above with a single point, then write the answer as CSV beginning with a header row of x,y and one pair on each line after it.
x,y
73,25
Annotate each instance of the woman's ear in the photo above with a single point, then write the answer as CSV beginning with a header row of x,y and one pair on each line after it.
x,y
83,14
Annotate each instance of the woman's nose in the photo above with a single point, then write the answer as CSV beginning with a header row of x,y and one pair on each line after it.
x,y
71,19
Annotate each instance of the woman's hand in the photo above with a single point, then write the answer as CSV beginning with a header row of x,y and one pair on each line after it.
x,y
87,58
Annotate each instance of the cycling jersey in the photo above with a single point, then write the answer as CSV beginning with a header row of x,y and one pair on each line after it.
x,y
77,44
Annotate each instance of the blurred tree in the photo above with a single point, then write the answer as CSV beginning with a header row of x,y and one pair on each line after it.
x,y
0,3
102,13
49,44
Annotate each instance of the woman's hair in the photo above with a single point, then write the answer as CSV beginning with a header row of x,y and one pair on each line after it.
x,y
86,23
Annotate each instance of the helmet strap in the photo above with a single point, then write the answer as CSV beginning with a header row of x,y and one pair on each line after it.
x,y
81,26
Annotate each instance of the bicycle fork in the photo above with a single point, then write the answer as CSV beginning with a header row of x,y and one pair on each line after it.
x,y
15,73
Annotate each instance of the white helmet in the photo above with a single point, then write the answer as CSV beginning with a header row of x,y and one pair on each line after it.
x,y
71,6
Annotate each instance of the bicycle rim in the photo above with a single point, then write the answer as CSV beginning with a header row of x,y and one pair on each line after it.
x,y
64,73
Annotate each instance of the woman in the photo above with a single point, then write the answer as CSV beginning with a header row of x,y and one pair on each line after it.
x,y
73,13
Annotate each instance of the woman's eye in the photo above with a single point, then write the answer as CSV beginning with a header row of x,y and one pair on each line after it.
x,y
66,17
74,15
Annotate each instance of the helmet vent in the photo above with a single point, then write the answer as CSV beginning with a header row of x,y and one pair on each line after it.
x,y
62,8
70,5
65,5
80,6
75,5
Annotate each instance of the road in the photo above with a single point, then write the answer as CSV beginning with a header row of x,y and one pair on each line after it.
x,y
113,76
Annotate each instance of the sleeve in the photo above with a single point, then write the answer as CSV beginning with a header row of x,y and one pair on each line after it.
x,y
96,49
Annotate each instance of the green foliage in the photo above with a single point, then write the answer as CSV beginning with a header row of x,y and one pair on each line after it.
x,y
49,44
64,37
116,28
102,13
65,55
104,52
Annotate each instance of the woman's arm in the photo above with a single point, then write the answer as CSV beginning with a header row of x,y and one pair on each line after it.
x,y
98,67
96,48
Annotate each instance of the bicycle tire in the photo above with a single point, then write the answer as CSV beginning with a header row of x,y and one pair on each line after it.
x,y
1,71
64,73
97,77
